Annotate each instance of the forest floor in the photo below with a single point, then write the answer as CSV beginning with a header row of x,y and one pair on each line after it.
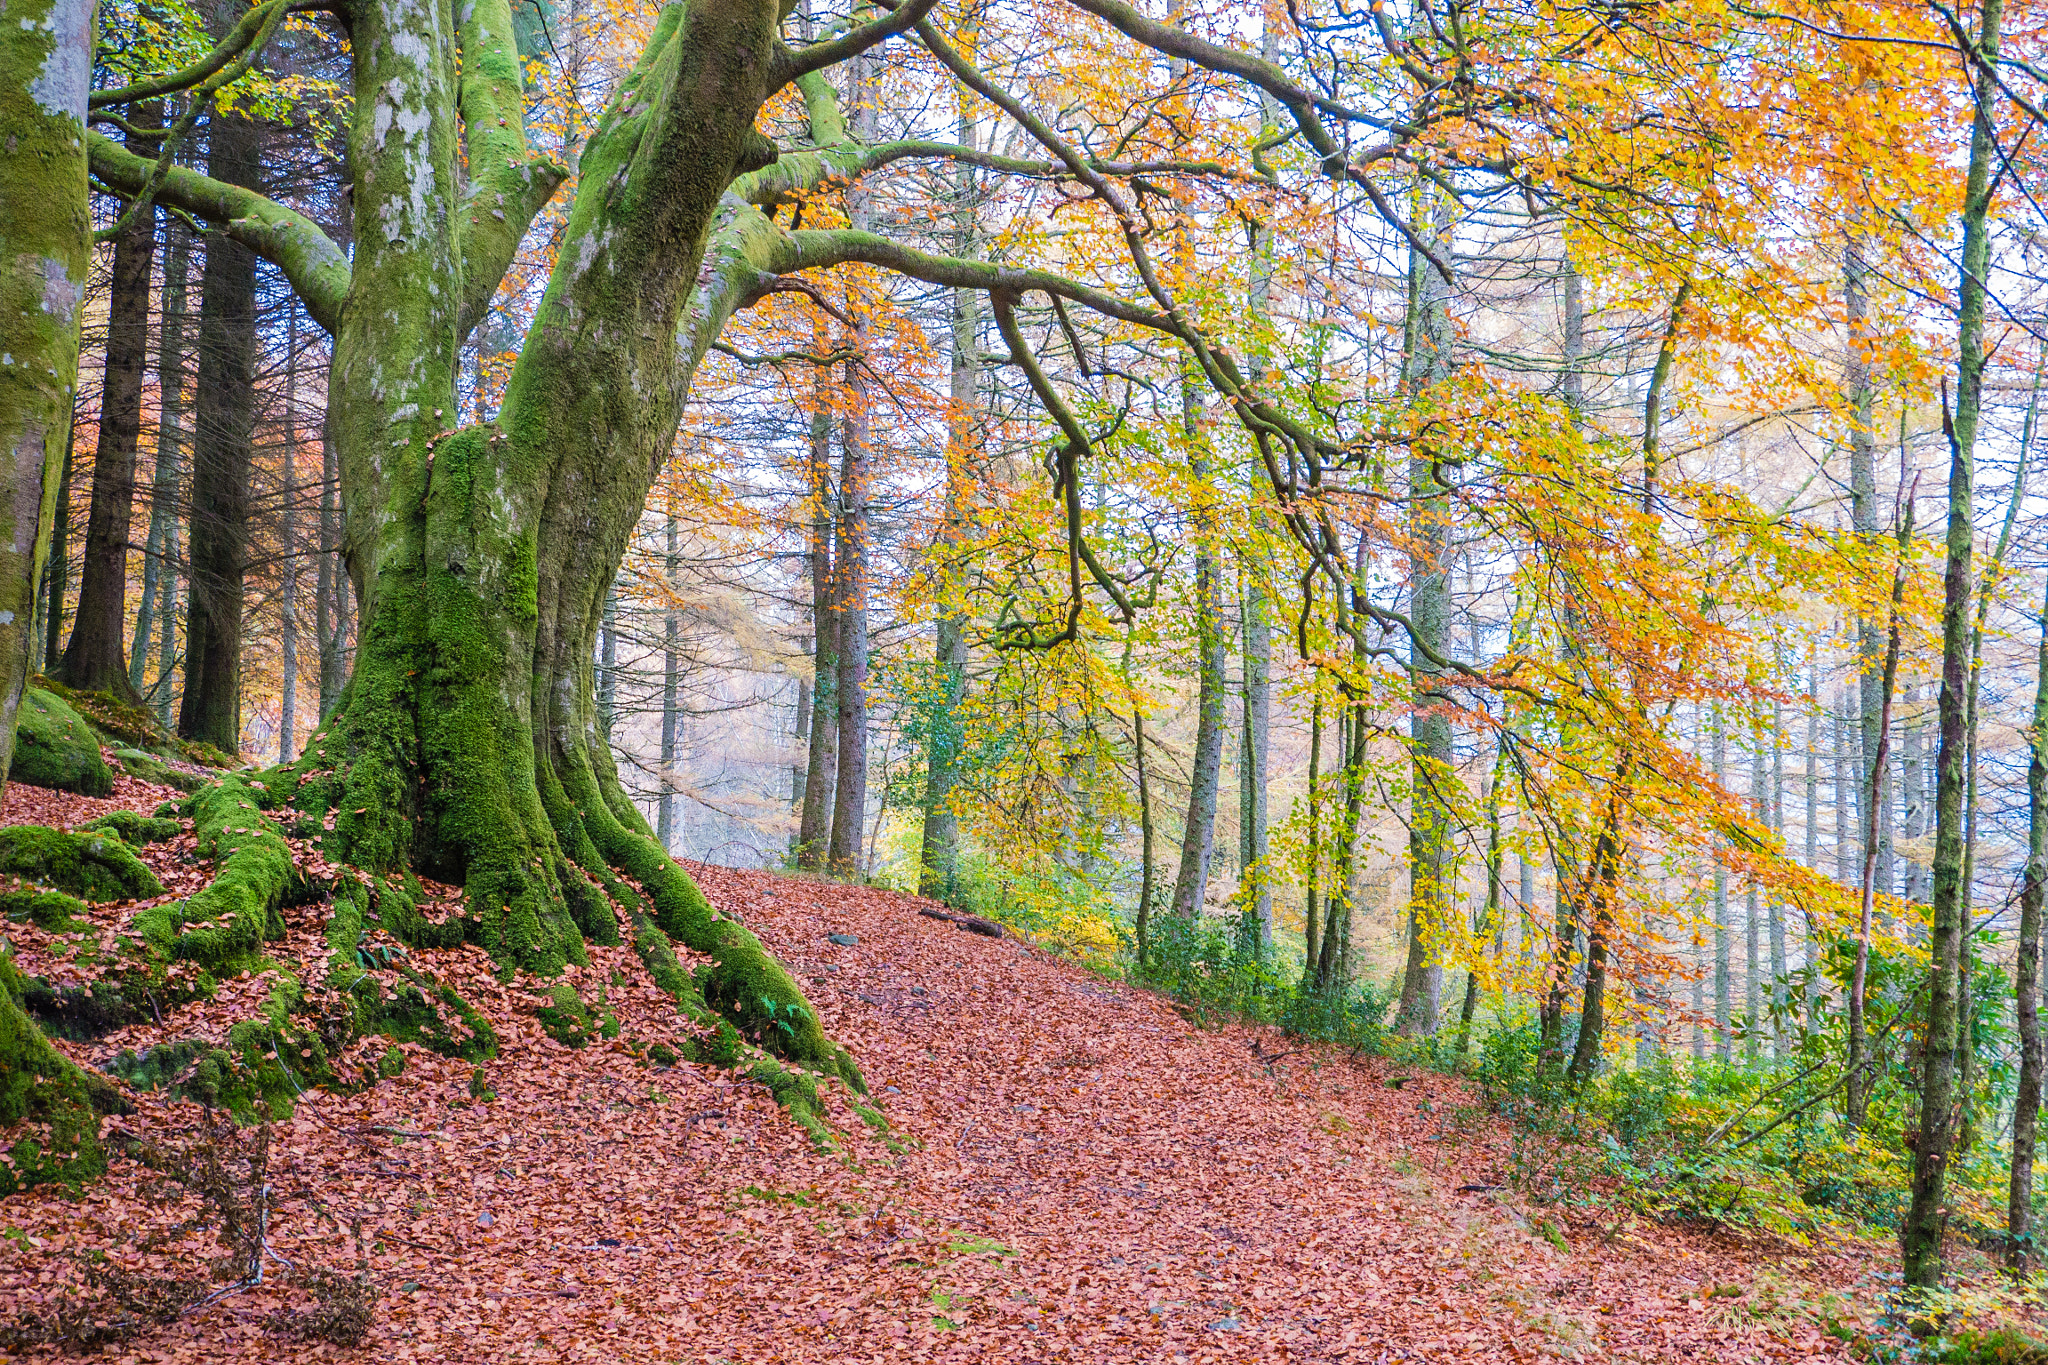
x,y
1073,1173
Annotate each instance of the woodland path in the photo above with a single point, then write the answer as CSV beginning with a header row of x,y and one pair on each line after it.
x,y
1081,1176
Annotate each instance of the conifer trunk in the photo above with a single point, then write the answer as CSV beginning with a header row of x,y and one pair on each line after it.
x,y
211,711
93,660
157,610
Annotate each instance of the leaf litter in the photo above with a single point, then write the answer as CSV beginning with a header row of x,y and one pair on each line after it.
x,y
1071,1172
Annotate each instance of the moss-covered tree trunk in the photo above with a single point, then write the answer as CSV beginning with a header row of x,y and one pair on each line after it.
x,y
45,243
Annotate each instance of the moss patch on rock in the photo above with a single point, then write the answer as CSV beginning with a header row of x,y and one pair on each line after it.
x,y
49,1097
133,828
92,865
54,747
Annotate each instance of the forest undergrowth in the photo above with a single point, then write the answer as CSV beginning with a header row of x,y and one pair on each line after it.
x,y
1074,1168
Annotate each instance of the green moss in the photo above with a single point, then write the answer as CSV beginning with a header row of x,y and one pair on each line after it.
x,y
111,716
51,910
133,828
259,1072
567,1020
42,1090
95,866
228,920
54,747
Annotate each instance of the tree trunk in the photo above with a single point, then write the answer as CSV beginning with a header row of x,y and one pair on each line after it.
x,y
58,574
1752,906
814,829
157,611
1198,836
221,448
1311,926
94,661
938,873
46,66
671,716
1432,852
1863,509
332,581
1148,860
1724,986
1921,1235
288,557
1859,1079
1774,910
2026,1114
850,569
1252,768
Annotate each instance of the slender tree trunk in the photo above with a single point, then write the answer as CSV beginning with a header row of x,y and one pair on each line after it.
x,y
58,575
212,708
937,862
93,661
1724,986
1860,1080
1198,837
850,799
1313,863
331,581
288,558
1775,908
608,663
814,827
158,611
1752,975
2026,1114
671,715
1863,506
1432,850
1921,1235
1252,768
1146,854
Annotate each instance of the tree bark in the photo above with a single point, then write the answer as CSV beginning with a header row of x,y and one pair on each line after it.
x,y
46,65
288,558
2026,1114
1863,510
671,715
814,829
94,660
1724,986
850,570
1921,1234
157,611
57,577
1198,835
1432,852
938,873
211,711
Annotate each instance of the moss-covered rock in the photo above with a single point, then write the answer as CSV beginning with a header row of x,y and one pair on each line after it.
x,y
58,1139
98,867
134,828
121,721
51,910
150,768
54,747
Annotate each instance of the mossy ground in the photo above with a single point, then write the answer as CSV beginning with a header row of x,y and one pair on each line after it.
x,y
54,747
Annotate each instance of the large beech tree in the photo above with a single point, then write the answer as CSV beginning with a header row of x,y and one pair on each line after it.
x,y
468,745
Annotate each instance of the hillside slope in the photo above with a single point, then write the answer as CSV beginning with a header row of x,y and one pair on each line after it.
x,y
1073,1173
